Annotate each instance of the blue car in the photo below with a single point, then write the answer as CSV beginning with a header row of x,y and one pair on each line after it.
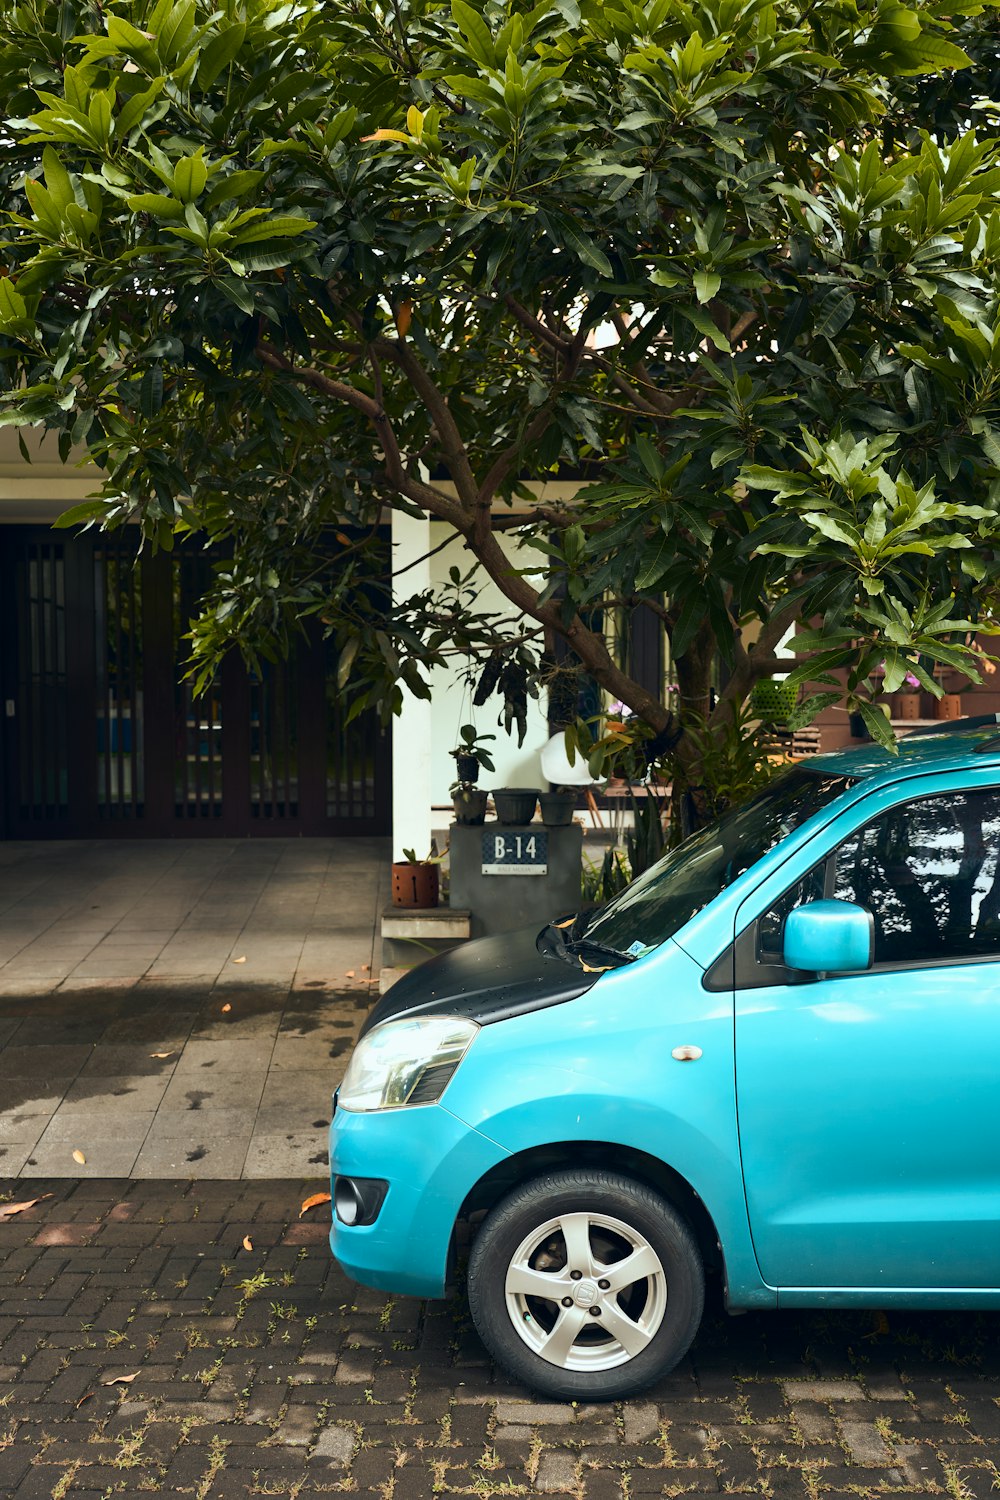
x,y
774,1058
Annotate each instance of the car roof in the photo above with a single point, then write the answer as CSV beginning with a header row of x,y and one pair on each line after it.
x,y
964,743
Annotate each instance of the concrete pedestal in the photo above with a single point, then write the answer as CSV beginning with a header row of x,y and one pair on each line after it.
x,y
502,902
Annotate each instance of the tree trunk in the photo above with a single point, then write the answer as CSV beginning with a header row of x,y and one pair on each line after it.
x,y
690,802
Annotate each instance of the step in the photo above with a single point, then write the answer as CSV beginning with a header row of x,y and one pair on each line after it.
x,y
426,922
387,978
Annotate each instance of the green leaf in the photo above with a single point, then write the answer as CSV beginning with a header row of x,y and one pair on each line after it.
x,y
132,113
172,26
837,313
655,559
650,459
878,727
190,177
125,38
940,53
57,179
568,236
990,444
87,512
475,31
282,227
238,293
346,660
705,326
236,185
155,203
219,53
706,285
13,308
151,391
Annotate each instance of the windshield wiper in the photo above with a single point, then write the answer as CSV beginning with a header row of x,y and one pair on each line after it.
x,y
575,944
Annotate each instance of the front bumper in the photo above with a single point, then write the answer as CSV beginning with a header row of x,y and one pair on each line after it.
x,y
431,1161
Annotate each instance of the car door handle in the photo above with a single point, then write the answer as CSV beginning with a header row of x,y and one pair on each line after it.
x,y
686,1054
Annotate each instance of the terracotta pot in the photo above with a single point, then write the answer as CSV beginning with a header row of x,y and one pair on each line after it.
x,y
907,706
415,885
948,707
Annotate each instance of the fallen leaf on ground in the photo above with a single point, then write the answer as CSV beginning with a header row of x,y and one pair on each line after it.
x,y
247,1242
8,1210
163,1054
79,1156
226,1007
349,974
241,960
312,1202
364,968
89,1396
121,1379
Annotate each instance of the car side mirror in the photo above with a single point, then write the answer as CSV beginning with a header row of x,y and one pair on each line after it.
x,y
829,937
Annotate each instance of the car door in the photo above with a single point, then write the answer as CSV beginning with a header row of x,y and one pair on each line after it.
x,y
868,1103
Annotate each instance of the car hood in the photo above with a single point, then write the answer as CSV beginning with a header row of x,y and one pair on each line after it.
x,y
486,980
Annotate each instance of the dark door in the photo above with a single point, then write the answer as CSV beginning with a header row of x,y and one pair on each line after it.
x,y
103,735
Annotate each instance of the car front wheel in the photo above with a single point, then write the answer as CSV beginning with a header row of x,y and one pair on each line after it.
x,y
586,1285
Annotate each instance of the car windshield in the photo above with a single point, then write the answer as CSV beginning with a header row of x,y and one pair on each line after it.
x,y
659,902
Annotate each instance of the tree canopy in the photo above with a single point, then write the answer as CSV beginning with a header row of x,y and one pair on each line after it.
x,y
730,265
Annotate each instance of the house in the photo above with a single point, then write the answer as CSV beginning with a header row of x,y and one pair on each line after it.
x,y
101,736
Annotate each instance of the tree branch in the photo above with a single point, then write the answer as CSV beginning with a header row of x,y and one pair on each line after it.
x,y
452,443
561,345
506,461
432,500
759,661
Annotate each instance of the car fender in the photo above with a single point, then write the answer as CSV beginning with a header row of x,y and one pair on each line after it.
x,y
600,1069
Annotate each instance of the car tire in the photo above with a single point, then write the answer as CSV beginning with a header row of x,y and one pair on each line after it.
x,y
545,1258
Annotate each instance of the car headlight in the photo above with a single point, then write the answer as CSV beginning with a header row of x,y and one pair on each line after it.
x,y
402,1063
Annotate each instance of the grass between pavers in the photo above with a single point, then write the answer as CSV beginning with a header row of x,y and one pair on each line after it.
x,y
265,1372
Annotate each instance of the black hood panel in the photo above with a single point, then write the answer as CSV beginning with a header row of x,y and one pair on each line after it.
x,y
486,980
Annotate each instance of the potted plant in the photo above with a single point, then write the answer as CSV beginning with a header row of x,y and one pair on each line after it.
x,y
469,803
416,882
948,706
515,804
906,703
773,701
558,806
470,756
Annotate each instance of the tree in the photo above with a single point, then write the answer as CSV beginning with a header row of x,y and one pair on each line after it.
x,y
279,267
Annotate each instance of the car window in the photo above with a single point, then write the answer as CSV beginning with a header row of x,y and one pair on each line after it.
x,y
928,873
669,893
771,927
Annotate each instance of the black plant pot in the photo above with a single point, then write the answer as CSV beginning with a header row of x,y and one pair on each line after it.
x,y
470,806
515,804
557,808
468,768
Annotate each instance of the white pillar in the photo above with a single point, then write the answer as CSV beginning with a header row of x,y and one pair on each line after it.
x,y
411,730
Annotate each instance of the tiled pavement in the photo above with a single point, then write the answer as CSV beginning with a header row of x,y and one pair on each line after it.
x,y
180,1008
143,1350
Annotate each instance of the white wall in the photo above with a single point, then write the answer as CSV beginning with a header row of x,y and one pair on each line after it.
x,y
451,702
412,738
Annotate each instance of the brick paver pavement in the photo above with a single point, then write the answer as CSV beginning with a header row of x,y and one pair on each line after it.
x,y
144,1350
